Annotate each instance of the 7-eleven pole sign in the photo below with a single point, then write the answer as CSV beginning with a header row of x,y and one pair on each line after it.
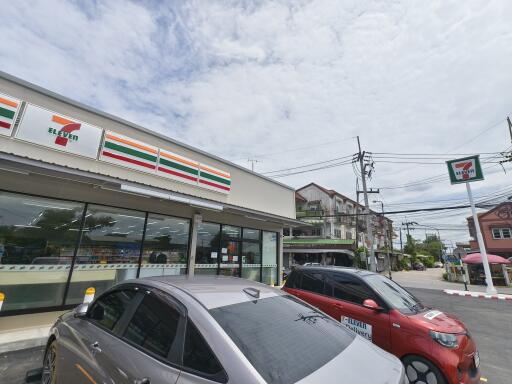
x,y
466,170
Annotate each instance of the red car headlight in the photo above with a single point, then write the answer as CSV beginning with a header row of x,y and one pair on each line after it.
x,y
448,340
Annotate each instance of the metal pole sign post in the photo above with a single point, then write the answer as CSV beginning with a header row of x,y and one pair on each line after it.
x,y
466,170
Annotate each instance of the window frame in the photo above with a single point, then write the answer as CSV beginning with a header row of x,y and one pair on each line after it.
x,y
128,311
192,371
174,356
501,232
298,278
374,295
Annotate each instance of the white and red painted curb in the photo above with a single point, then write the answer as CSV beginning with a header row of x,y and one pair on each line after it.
x,y
482,295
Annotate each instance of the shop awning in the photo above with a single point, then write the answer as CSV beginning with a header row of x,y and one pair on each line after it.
x,y
23,165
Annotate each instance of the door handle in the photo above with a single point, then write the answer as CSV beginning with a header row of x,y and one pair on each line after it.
x,y
95,347
338,305
142,381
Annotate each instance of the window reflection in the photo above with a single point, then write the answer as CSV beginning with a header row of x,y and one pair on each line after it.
x,y
269,244
165,246
207,250
109,251
38,237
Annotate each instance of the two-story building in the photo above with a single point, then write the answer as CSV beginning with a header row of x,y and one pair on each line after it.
x,y
334,228
496,228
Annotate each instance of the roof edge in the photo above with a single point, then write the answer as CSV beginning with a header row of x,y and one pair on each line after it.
x,y
120,120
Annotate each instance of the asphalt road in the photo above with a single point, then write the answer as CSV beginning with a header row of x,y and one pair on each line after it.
x,y
489,321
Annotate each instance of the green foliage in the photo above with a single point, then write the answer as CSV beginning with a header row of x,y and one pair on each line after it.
x,y
410,246
360,258
429,262
445,276
431,246
404,264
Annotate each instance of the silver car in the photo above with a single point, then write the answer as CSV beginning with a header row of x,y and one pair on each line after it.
x,y
186,330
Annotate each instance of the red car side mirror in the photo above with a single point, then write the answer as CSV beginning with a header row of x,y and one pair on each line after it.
x,y
371,304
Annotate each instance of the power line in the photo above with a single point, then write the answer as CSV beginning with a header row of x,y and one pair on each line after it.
x,y
308,165
311,170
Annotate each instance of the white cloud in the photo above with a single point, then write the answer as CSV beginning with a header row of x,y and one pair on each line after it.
x,y
243,78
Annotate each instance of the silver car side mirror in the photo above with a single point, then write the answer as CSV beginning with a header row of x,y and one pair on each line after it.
x,y
81,310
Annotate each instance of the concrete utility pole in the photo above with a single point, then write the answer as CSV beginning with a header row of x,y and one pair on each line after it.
x,y
252,161
369,229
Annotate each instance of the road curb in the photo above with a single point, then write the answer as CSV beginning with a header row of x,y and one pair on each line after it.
x,y
481,295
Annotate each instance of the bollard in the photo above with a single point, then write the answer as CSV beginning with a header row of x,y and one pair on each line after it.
x,y
2,297
89,295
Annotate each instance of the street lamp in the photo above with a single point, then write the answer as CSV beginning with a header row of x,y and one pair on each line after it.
x,y
388,243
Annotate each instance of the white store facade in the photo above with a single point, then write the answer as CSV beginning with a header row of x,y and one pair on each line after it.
x,y
88,200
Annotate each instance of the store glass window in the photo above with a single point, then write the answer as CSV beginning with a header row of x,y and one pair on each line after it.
x,y
165,249
251,260
109,250
251,234
231,232
208,249
38,237
269,253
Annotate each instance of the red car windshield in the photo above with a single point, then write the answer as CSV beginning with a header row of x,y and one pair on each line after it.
x,y
394,295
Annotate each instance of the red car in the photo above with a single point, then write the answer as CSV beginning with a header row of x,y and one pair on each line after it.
x,y
435,348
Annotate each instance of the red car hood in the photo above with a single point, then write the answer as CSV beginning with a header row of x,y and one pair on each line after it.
x,y
438,321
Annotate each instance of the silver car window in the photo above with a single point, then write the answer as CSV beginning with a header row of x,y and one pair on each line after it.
x,y
153,327
108,309
198,358
283,338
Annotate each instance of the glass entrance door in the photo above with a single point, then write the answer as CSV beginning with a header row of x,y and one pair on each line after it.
x,y
230,258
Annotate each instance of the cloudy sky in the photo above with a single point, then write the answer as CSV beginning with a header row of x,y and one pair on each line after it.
x,y
291,83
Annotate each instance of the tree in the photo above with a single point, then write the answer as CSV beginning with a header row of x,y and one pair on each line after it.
x,y
410,246
432,246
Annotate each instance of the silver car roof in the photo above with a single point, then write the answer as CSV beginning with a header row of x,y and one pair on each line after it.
x,y
216,291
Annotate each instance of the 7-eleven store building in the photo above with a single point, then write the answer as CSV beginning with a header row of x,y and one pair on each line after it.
x,y
88,200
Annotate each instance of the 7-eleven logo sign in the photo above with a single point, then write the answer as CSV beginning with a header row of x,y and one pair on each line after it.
x,y
464,170
63,130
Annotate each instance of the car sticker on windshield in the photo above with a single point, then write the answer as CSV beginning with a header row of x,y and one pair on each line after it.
x,y
362,329
430,315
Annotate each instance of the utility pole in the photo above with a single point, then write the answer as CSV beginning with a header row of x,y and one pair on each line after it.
x,y
369,229
401,243
407,223
252,161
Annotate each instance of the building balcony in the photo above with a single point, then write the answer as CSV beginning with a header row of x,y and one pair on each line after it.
x,y
309,213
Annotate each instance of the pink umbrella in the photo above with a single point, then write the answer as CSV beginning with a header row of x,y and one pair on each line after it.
x,y
476,258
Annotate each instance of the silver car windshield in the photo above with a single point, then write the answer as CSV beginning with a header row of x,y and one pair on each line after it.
x,y
283,338
394,295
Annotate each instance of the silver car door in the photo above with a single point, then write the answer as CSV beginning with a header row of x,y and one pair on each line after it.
x,y
146,349
83,341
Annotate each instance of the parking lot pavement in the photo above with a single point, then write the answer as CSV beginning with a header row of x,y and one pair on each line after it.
x,y
14,365
489,321
432,278
490,324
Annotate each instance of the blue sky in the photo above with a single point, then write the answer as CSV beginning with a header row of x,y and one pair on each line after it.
x,y
289,82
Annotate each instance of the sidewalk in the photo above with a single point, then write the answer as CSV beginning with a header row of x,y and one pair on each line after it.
x,y
25,331
432,278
